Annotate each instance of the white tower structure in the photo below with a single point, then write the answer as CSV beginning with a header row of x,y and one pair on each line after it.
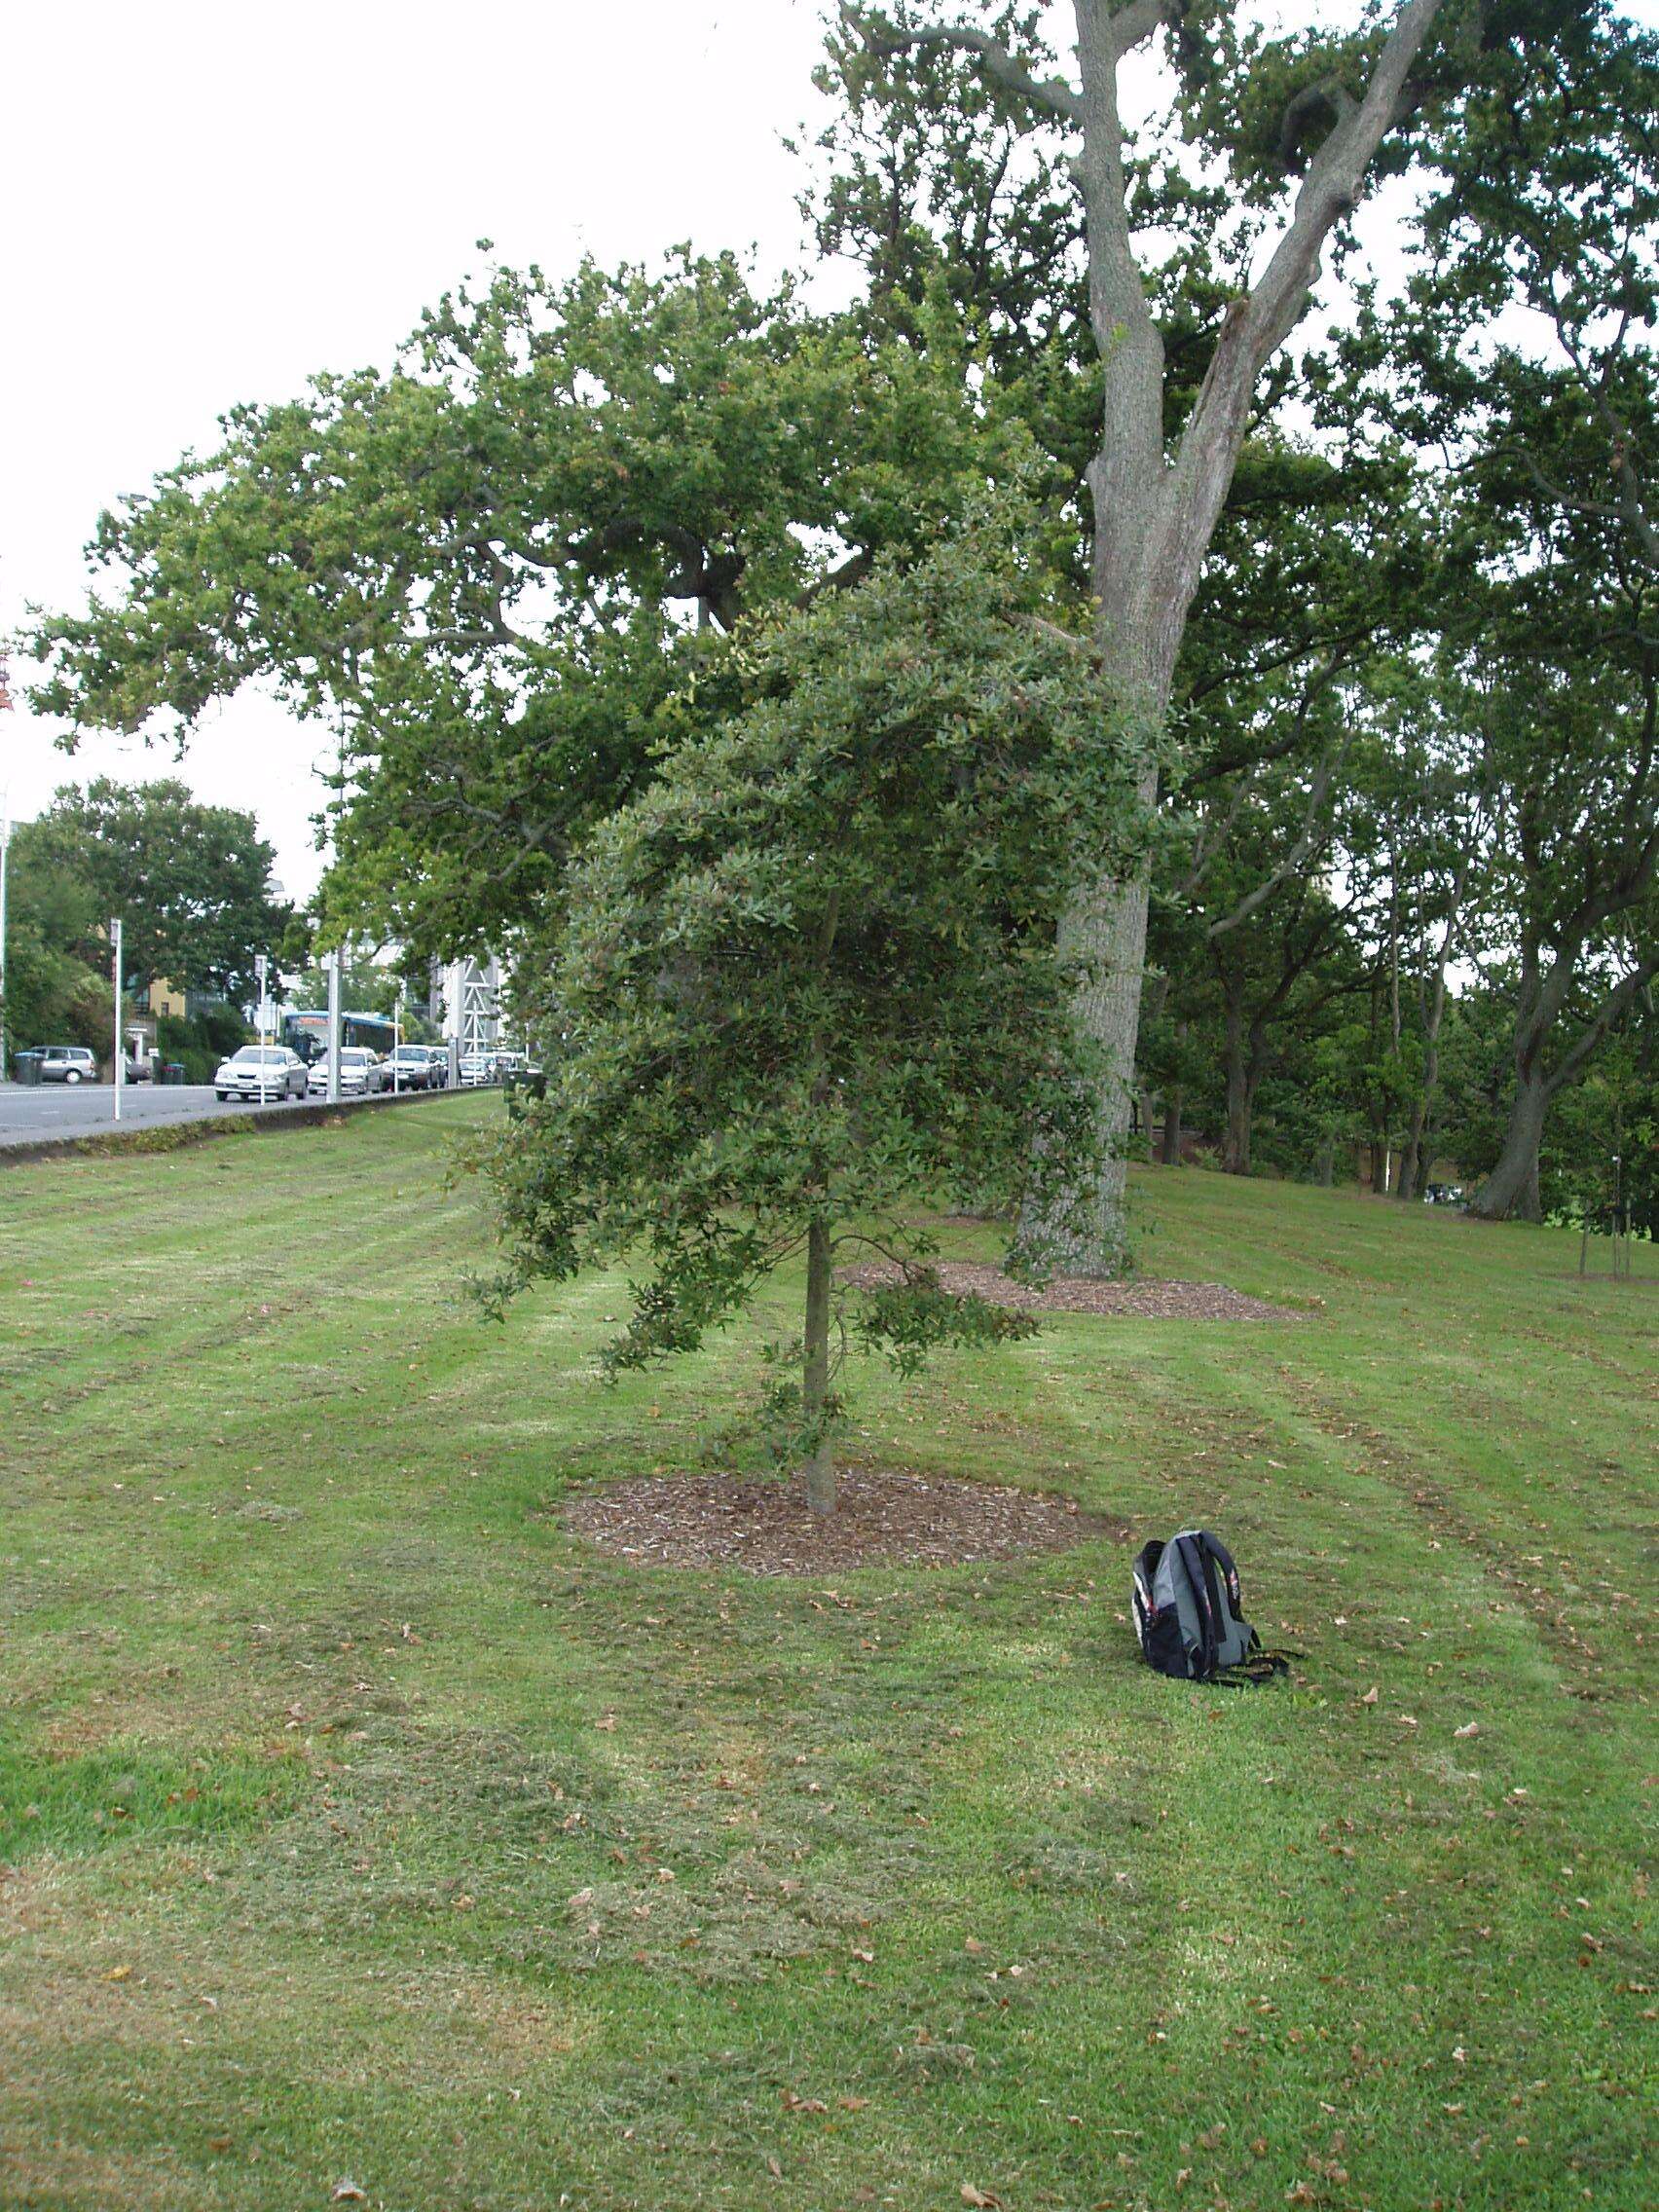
x,y
472,1005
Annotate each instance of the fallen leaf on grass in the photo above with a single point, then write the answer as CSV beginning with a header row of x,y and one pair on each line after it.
x,y
980,2197
1471,1728
347,2192
1370,1697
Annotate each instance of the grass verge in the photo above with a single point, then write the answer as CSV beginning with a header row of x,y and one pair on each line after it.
x,y
359,1825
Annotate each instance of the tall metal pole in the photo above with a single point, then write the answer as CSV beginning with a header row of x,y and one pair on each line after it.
x,y
120,1049
5,848
333,959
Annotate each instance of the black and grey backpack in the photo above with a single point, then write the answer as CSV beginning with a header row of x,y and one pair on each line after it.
x,y
1187,1617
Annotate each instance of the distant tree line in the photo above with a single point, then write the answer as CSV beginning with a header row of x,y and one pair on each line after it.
x,y
193,887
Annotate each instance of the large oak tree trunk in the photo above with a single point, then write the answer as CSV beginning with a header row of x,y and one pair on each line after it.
x,y
1511,1191
1108,933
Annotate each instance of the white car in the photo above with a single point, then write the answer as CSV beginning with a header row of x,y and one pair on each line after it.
x,y
476,1070
360,1072
261,1071
409,1069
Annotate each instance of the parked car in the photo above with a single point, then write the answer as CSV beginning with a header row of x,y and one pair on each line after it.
x,y
476,1070
361,1073
409,1069
68,1063
261,1071
437,1062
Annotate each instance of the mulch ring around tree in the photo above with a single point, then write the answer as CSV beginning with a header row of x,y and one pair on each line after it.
x,y
882,1518
1086,1294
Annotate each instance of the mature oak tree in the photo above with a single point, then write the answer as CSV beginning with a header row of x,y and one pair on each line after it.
x,y
1157,488
488,568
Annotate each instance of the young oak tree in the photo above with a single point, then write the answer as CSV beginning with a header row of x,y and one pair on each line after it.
x,y
809,981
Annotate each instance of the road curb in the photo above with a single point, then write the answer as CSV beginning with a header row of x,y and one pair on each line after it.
x,y
173,1136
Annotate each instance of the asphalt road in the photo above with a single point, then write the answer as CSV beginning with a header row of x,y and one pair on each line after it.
x,y
30,1112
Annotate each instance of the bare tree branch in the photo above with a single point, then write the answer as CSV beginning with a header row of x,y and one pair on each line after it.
x,y
1308,842
1258,323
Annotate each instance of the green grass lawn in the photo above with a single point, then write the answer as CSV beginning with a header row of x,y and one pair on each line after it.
x,y
357,1826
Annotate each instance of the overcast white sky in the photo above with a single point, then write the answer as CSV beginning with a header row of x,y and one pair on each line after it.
x,y
203,202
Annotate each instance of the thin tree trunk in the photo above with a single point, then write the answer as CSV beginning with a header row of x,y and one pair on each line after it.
x,y
1148,1137
1235,1148
1170,1151
819,1467
1411,1147
1327,1162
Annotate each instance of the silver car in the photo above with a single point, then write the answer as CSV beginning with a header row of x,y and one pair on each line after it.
x,y
68,1063
361,1073
261,1071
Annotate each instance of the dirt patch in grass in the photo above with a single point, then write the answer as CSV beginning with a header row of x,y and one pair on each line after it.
x,y
1086,1294
881,1518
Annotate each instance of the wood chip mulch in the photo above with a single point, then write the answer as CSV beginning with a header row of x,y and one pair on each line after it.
x,y
1087,1294
881,1518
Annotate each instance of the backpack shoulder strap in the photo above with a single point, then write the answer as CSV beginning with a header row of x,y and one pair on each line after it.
x,y
1201,1577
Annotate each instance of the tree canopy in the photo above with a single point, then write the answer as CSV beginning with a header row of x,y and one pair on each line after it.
x,y
192,883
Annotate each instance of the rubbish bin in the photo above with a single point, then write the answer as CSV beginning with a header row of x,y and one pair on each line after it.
x,y
520,1083
174,1072
26,1066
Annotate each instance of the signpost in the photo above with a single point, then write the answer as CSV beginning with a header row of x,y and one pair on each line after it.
x,y
332,960
120,1046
